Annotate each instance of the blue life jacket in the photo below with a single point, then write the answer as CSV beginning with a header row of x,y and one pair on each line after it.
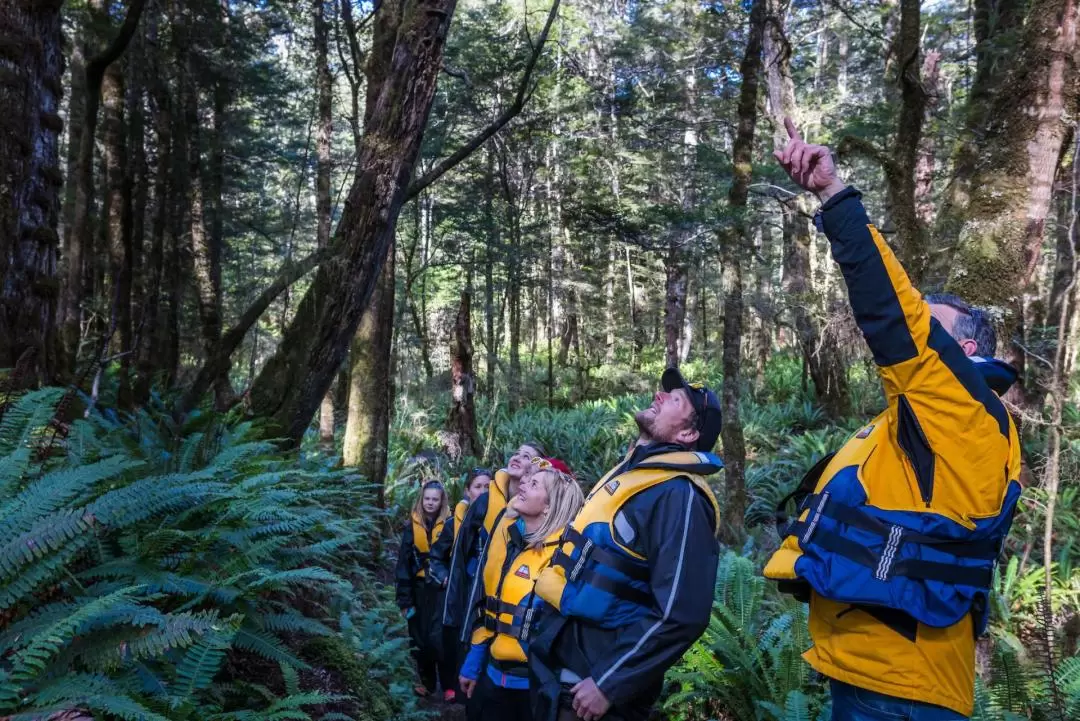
x,y
592,576
918,562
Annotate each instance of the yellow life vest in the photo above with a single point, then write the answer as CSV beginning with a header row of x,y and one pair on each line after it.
x,y
498,498
459,516
508,589
592,575
422,539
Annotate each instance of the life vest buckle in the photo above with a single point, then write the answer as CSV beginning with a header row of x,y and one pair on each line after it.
x,y
582,558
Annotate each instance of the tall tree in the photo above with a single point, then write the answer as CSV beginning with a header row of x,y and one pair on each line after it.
x,y
734,243
822,359
30,91
461,421
82,230
1013,179
323,167
410,36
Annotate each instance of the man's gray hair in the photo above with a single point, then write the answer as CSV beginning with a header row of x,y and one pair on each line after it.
x,y
972,323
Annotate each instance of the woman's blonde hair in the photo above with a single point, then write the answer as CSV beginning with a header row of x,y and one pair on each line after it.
x,y
444,506
565,499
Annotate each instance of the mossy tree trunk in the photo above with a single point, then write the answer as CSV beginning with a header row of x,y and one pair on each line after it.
x,y
367,428
32,64
1001,237
734,242
401,85
461,421
996,24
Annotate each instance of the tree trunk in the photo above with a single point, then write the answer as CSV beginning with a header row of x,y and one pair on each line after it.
x,y
677,278
734,242
139,186
899,163
996,23
116,212
1012,184
30,93
323,82
492,238
82,231
367,429
823,360
461,437
401,85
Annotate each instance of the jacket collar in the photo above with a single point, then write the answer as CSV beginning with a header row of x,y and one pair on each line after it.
x,y
648,450
998,374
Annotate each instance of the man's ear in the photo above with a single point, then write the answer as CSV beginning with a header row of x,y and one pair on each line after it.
x,y
969,346
687,437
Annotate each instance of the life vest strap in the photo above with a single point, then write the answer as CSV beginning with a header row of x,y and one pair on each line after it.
x,y
498,606
884,566
519,632
983,549
590,577
595,554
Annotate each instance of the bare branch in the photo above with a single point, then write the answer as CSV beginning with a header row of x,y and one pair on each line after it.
x,y
505,117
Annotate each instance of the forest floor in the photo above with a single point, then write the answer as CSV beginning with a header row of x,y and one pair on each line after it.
x,y
446,711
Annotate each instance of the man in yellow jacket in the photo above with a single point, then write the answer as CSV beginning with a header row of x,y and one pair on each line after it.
x,y
896,535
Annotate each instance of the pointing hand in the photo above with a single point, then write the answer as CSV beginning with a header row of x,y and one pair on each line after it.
x,y
811,166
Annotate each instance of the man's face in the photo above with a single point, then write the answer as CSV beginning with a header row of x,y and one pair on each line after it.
x,y
947,316
667,420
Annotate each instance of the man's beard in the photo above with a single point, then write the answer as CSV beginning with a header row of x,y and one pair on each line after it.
x,y
644,423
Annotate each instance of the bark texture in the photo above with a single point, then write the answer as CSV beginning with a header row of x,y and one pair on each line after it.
x,y
1000,238
734,242
401,85
31,66
461,421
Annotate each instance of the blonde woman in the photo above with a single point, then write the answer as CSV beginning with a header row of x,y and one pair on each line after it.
x,y
418,596
495,674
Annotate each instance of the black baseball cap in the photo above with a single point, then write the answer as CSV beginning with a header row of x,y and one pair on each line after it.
x,y
706,406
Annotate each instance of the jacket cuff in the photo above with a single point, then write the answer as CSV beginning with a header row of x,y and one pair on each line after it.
x,y
846,194
470,669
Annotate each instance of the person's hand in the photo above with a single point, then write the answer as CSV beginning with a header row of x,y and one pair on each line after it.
x,y
589,701
811,166
467,685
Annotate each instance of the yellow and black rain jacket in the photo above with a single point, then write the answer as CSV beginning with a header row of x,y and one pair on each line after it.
x,y
895,542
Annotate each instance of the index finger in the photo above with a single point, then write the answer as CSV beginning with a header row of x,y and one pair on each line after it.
x,y
792,131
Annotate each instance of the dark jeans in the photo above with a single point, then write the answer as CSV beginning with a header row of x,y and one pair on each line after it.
x,y
495,703
858,704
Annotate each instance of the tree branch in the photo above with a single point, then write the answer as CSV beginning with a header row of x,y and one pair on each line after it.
x,y
506,116
861,146
218,363
97,65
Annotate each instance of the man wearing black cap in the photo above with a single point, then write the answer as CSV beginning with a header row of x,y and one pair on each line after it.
x,y
632,581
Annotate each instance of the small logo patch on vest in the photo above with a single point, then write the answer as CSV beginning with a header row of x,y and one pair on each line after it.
x,y
865,432
611,487
523,572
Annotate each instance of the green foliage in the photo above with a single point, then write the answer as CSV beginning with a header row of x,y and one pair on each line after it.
x,y
748,663
147,575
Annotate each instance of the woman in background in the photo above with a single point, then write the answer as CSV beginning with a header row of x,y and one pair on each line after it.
x,y
495,675
418,596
